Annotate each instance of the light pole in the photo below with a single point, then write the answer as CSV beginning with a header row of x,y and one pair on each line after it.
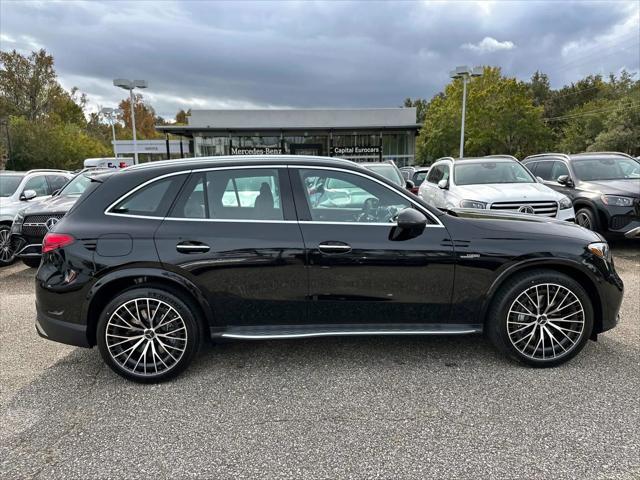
x,y
130,85
464,73
111,114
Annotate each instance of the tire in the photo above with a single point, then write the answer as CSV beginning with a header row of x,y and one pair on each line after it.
x,y
7,251
31,262
514,325
151,354
587,219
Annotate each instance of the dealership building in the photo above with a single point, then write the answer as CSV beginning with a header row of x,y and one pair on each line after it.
x,y
363,135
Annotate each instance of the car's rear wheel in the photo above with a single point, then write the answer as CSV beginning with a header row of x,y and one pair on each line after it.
x,y
587,219
7,252
148,334
542,318
31,262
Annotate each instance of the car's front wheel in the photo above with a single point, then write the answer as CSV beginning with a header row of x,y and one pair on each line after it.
x,y
148,334
7,252
587,219
542,318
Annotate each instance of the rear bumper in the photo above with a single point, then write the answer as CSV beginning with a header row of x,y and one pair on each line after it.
x,y
61,331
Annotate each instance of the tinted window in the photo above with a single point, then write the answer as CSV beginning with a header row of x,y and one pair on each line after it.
x,y
479,173
243,194
345,197
606,168
419,177
532,166
543,170
437,173
39,184
56,182
559,168
9,184
152,200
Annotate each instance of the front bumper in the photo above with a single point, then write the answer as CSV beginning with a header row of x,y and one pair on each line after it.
x,y
26,247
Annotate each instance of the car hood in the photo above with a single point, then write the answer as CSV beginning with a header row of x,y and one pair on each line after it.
x,y
526,225
507,192
58,204
11,207
629,187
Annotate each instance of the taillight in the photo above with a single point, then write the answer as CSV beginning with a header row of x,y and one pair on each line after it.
x,y
53,241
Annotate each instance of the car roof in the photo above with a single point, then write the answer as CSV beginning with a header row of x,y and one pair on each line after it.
x,y
574,156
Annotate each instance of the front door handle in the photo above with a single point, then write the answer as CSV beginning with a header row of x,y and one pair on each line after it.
x,y
192,247
334,247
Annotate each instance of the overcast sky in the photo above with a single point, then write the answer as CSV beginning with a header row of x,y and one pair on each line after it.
x,y
325,54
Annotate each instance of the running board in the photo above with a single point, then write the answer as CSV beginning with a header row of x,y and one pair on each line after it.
x,y
260,332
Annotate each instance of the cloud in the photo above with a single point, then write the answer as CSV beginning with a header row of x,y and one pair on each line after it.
x,y
313,54
489,44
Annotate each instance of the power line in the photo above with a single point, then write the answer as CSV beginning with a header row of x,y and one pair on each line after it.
x,y
591,112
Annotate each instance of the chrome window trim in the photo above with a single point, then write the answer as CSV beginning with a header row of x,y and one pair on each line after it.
x,y
411,202
223,220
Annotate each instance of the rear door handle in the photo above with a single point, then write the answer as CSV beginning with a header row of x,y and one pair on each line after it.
x,y
192,247
334,247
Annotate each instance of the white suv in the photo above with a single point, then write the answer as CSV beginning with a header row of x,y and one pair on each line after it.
x,y
17,191
499,183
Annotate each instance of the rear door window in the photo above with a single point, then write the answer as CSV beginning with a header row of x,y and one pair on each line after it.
x,y
242,194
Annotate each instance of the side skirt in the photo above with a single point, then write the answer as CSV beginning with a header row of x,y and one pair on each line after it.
x,y
262,332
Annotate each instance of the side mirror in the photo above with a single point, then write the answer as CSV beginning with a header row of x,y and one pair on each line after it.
x,y
28,195
410,185
565,180
411,219
443,184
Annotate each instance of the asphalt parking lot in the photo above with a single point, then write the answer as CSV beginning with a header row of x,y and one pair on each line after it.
x,y
391,407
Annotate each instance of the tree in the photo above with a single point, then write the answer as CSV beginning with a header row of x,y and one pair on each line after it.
x,y
146,119
421,107
181,117
501,119
28,85
621,129
540,88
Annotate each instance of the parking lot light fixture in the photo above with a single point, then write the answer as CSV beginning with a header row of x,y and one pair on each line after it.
x,y
111,114
130,85
464,73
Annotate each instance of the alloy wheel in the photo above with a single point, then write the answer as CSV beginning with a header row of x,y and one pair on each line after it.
x,y
583,220
545,322
6,249
146,336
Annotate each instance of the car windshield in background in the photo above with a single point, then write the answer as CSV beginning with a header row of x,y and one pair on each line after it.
x,y
387,171
419,177
589,169
9,184
477,173
77,185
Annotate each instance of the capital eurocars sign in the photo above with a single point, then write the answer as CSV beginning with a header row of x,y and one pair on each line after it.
x,y
356,150
256,151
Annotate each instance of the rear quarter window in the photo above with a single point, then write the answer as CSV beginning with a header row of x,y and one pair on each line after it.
x,y
151,200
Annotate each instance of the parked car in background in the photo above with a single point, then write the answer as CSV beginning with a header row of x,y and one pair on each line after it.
x,y
497,182
18,190
32,223
151,262
407,172
108,162
419,175
604,188
390,171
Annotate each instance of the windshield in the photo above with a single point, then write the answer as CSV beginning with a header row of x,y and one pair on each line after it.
x,y
476,173
589,169
76,186
9,184
387,171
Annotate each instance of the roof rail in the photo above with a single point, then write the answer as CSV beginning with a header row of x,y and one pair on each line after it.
x,y
37,170
550,154
605,153
511,157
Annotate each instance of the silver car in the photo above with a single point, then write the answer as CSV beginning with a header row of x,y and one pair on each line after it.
x,y
19,190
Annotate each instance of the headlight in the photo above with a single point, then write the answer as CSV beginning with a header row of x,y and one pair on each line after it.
x,y
473,204
564,203
617,201
600,249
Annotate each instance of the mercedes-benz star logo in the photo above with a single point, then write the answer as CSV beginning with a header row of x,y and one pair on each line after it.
x,y
526,209
50,223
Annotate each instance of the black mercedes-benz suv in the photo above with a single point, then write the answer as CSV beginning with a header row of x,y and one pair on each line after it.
x,y
31,224
603,186
155,259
